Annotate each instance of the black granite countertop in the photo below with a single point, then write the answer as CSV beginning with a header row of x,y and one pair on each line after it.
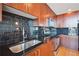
x,y
26,50
8,52
5,51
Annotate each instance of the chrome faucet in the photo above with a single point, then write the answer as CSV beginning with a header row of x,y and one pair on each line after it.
x,y
24,36
23,33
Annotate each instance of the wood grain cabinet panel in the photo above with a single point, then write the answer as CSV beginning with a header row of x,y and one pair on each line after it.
x,y
14,5
33,52
43,14
19,6
66,20
43,50
34,9
40,10
46,12
22,7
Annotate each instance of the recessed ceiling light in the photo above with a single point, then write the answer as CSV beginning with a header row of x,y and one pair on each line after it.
x,y
69,10
17,28
16,23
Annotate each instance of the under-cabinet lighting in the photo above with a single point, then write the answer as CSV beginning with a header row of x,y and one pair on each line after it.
x,y
17,29
16,23
69,11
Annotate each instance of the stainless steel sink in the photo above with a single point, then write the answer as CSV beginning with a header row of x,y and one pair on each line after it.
x,y
20,47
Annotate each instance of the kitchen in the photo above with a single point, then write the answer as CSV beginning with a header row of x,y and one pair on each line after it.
x,y
39,29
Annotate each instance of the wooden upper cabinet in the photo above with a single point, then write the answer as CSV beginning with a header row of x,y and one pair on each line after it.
x,y
19,6
9,4
14,5
70,20
34,9
22,7
46,12
60,21
40,10
42,14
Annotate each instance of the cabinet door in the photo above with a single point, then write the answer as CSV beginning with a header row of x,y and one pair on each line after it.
x,y
50,48
33,53
43,50
14,5
36,52
22,7
19,6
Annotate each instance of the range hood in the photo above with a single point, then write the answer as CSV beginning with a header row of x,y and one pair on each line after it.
x,y
17,12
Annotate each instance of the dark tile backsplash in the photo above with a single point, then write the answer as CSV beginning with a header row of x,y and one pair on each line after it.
x,y
62,31
9,34
8,29
10,37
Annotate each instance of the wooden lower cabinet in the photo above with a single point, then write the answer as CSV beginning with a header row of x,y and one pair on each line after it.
x,y
32,53
38,51
44,49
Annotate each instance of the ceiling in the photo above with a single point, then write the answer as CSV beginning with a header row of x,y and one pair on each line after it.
x,y
61,8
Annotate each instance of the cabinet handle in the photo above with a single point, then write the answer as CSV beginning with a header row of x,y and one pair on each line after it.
x,y
39,52
35,53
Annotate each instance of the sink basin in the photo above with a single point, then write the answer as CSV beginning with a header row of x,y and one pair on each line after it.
x,y
20,47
